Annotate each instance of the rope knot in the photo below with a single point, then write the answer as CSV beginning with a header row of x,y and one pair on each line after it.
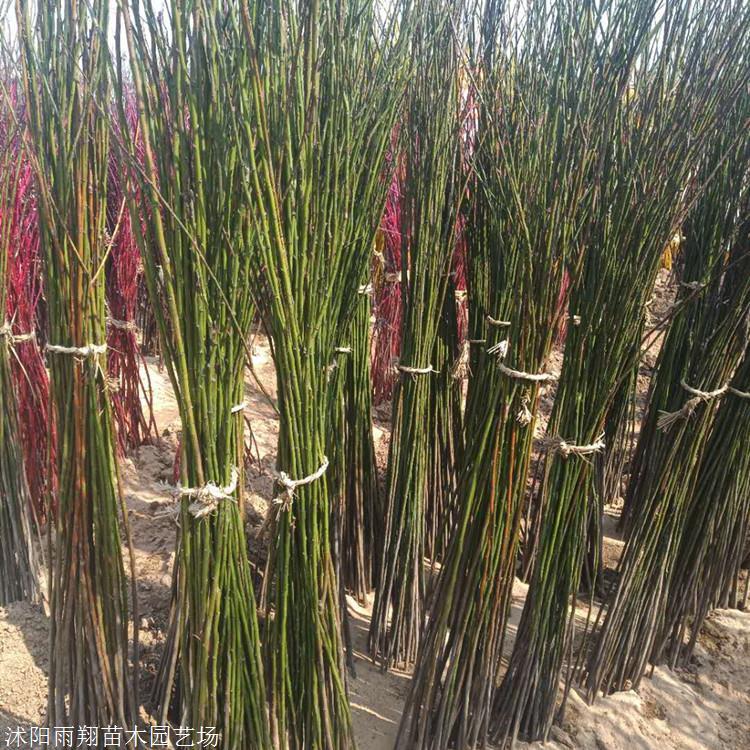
x,y
206,499
540,377
6,333
556,444
284,499
497,323
669,418
462,366
499,350
122,325
398,368
90,350
524,415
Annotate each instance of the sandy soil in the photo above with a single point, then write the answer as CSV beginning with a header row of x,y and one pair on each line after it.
x,y
704,708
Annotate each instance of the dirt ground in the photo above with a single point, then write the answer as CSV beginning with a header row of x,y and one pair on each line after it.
x,y
706,707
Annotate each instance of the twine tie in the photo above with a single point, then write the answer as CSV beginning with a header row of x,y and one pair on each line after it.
x,y
90,350
497,323
122,325
206,499
284,499
669,418
539,377
6,332
557,445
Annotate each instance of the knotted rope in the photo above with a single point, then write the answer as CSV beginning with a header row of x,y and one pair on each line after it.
x,y
668,418
206,499
332,367
497,323
393,277
413,371
462,366
539,377
365,289
557,445
6,332
90,350
122,325
524,415
500,349
284,499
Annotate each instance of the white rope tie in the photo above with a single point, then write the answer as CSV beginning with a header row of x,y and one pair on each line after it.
x,y
497,323
413,371
206,499
668,418
122,325
499,350
365,289
740,394
524,415
90,350
460,295
284,499
112,384
462,366
237,408
6,332
393,277
343,350
540,377
575,320
705,395
558,445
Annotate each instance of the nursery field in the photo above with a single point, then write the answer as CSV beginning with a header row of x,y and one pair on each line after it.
x,y
703,707
375,374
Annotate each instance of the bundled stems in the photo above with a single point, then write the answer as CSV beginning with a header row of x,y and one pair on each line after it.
x,y
700,361
387,296
522,229
634,213
445,427
360,517
30,377
430,195
18,562
195,248
713,544
321,89
66,82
